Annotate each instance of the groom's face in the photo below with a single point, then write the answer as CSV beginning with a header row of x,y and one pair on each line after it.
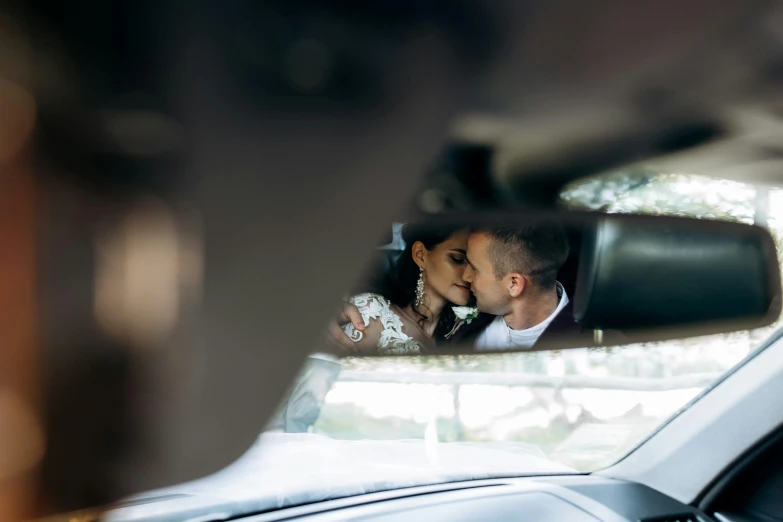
x,y
491,293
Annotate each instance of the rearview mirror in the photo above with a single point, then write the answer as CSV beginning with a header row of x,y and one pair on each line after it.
x,y
457,284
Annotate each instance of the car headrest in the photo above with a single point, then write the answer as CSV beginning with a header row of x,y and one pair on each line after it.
x,y
637,273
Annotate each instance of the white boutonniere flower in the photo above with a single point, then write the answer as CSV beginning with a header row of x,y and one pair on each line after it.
x,y
465,314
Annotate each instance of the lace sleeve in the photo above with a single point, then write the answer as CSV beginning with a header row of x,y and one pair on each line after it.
x,y
384,327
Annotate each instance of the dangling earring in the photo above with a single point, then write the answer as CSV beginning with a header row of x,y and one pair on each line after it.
x,y
420,288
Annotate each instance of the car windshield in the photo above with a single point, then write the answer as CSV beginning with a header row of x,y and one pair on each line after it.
x,y
357,425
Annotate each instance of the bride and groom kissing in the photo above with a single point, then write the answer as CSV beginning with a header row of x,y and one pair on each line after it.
x,y
493,287
496,288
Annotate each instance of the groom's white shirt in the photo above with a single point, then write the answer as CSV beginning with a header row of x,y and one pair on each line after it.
x,y
499,336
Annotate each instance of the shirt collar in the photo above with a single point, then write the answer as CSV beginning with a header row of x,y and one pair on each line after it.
x,y
543,324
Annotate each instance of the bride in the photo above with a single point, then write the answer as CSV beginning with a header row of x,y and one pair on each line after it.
x,y
411,308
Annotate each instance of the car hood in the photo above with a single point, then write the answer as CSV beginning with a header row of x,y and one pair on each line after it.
x,y
283,470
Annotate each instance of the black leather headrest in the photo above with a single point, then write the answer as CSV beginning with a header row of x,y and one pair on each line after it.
x,y
637,273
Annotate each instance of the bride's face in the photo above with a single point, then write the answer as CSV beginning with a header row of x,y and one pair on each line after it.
x,y
443,268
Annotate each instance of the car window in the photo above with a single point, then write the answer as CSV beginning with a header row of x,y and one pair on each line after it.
x,y
582,408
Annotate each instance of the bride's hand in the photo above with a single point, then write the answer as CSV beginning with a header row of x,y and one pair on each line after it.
x,y
349,314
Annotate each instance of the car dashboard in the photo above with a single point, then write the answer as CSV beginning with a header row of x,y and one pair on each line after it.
x,y
581,498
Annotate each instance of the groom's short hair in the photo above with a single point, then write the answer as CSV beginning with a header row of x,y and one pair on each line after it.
x,y
537,250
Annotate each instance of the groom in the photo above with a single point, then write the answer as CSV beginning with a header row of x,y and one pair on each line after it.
x,y
512,272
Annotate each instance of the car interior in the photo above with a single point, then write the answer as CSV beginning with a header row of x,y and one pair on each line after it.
x,y
190,191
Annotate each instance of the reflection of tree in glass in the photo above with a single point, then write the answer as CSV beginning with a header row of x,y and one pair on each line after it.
x,y
641,191
598,193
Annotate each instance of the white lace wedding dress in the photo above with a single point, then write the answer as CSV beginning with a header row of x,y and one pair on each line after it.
x,y
384,327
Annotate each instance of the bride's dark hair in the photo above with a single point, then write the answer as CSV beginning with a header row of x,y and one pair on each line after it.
x,y
399,284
